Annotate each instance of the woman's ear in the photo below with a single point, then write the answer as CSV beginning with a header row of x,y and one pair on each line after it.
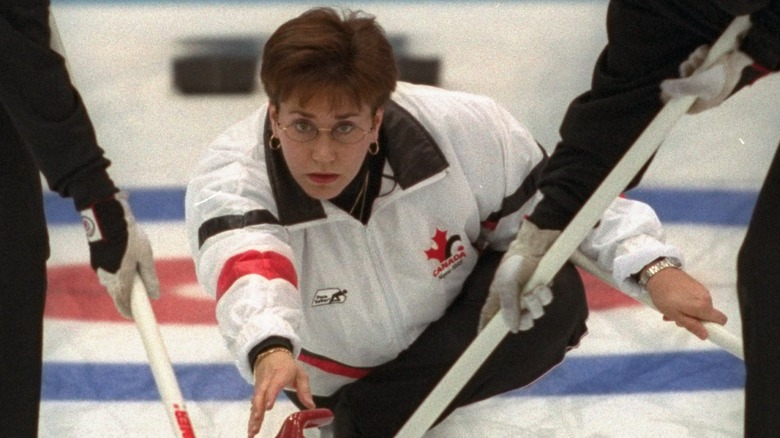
x,y
378,115
274,116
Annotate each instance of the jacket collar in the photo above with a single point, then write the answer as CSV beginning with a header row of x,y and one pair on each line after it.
x,y
412,154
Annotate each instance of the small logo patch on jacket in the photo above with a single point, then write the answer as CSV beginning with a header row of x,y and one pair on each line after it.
x,y
448,252
331,295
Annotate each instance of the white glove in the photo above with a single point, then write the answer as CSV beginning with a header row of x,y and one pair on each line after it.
x,y
516,267
713,85
119,249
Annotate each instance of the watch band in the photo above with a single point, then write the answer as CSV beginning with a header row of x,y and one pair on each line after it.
x,y
655,268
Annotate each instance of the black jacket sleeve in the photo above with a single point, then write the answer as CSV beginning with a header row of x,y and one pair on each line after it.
x,y
46,110
647,41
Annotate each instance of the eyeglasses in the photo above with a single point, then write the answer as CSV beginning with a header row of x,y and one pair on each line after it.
x,y
303,131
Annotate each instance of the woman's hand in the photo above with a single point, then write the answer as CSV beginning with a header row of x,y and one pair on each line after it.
x,y
273,373
683,300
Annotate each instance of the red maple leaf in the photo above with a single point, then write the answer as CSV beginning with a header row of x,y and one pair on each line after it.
x,y
439,248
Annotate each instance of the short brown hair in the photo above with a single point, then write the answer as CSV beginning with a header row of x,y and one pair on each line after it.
x,y
323,51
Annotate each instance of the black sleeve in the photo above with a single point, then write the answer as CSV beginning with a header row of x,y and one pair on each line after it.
x,y
47,111
647,41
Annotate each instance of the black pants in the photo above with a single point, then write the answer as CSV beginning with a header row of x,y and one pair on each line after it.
x,y
23,254
758,285
379,404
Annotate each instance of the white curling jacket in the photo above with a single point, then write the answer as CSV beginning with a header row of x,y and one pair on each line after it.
x,y
350,296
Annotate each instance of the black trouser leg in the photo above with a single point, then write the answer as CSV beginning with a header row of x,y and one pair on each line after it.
x,y
758,283
379,404
23,254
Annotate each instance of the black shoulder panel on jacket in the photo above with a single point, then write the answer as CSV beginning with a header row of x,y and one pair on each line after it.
x,y
220,224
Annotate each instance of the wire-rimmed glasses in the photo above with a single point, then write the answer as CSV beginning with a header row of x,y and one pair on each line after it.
x,y
345,132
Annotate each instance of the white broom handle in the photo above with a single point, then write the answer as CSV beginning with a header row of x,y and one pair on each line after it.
x,y
718,334
571,237
162,370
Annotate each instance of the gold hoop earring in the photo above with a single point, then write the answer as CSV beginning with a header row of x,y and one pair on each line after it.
x,y
373,148
274,143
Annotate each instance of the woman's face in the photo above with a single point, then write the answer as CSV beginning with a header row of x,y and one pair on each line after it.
x,y
325,165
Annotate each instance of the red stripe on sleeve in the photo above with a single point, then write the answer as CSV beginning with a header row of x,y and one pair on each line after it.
x,y
269,264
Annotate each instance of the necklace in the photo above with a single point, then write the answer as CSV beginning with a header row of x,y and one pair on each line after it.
x,y
361,197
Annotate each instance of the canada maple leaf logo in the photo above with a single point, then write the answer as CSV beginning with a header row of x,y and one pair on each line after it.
x,y
442,247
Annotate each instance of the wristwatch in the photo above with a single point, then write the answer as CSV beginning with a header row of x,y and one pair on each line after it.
x,y
655,268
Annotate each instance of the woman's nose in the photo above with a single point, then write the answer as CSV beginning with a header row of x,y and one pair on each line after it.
x,y
324,148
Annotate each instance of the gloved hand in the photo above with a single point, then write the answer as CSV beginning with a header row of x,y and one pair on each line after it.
x,y
715,84
118,249
516,267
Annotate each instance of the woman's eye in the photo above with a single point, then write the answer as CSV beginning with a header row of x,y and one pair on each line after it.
x,y
344,128
302,126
